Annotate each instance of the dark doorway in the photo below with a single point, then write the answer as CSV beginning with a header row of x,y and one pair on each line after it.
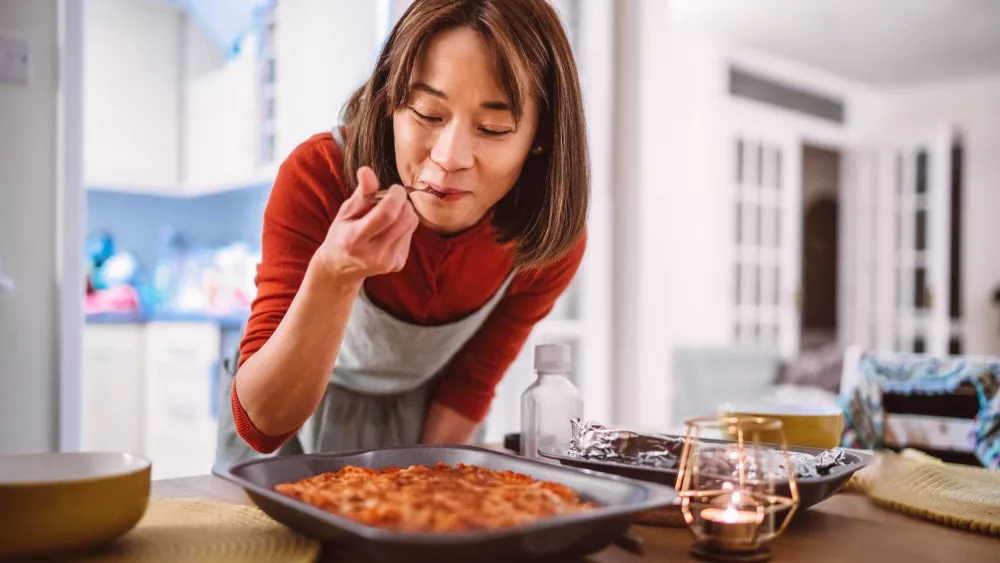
x,y
820,248
819,261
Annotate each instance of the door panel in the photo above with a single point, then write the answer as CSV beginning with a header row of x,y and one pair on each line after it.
x,y
766,203
922,219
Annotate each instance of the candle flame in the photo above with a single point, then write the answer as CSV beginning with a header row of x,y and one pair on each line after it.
x,y
730,515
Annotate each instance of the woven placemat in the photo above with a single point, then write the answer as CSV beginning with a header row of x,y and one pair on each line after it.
x,y
953,495
182,530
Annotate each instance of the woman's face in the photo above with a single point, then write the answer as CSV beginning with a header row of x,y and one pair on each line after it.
x,y
456,134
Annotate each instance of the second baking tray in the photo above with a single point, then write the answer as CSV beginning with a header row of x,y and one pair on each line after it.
x,y
812,490
618,500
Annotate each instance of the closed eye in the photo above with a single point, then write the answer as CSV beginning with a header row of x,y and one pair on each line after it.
x,y
423,117
494,132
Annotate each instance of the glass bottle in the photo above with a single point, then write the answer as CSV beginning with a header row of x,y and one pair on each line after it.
x,y
548,404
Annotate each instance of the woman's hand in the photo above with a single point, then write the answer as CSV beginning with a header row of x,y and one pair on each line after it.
x,y
446,426
367,239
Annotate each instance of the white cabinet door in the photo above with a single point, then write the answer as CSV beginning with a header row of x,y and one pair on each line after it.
x,y
113,389
222,125
309,102
181,368
132,87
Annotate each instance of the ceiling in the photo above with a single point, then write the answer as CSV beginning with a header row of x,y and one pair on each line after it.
x,y
880,42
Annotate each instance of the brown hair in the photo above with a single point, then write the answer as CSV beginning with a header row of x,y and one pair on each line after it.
x,y
546,211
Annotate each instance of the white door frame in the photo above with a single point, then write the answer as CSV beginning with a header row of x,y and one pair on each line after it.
x,y
594,32
71,212
862,243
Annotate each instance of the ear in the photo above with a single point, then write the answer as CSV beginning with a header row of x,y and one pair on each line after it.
x,y
543,135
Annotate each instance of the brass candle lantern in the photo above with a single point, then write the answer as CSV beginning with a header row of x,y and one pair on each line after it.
x,y
728,471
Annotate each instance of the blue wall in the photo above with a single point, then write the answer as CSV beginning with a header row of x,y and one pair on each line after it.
x,y
136,220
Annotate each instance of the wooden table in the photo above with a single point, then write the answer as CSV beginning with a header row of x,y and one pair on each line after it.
x,y
845,528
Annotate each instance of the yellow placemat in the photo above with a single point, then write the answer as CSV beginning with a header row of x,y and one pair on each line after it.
x,y
182,530
953,495
885,462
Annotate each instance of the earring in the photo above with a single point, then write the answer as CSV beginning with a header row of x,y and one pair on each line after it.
x,y
538,150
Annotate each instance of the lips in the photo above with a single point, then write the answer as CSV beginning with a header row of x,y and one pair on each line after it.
x,y
444,193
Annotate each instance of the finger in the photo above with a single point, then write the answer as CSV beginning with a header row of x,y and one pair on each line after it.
x,y
399,250
384,214
405,223
360,201
393,256
402,248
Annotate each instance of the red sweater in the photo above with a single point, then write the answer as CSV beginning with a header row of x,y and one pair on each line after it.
x,y
444,280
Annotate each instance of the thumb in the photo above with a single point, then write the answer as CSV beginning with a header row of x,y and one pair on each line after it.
x,y
367,182
360,200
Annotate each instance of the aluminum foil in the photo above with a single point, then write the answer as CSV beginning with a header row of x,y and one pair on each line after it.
x,y
594,441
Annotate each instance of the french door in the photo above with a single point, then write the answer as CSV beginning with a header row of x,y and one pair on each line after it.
x,y
766,177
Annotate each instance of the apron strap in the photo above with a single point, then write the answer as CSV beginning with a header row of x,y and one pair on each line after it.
x,y
338,137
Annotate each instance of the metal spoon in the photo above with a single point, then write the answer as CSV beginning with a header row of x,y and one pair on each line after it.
x,y
380,195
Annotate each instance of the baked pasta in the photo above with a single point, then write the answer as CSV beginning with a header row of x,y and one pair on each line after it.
x,y
435,499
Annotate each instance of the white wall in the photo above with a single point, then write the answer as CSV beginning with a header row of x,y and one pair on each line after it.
x,y
325,50
974,108
28,165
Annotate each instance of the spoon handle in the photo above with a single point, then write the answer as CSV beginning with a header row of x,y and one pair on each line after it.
x,y
380,195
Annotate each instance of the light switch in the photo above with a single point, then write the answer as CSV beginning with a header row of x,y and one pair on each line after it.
x,y
15,59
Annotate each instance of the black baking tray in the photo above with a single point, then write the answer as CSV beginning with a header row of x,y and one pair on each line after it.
x,y
812,491
618,499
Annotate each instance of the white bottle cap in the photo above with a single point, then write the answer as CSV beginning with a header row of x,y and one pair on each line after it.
x,y
553,358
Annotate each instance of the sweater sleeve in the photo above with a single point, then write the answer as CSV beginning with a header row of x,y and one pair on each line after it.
x,y
468,382
304,200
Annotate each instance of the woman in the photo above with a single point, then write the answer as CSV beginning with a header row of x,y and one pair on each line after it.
x,y
391,323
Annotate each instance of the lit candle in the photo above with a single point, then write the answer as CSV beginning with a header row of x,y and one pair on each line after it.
x,y
732,527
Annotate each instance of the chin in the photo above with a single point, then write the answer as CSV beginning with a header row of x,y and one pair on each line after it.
x,y
440,219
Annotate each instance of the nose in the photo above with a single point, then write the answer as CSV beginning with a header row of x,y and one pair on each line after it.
x,y
453,149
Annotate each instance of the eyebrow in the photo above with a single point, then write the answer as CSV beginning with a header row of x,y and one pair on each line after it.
x,y
495,105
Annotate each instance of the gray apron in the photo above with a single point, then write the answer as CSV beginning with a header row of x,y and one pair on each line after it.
x,y
378,391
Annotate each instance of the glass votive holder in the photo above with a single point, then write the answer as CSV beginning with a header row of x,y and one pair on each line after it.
x,y
727,486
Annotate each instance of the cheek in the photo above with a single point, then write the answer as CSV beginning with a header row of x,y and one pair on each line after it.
x,y
407,143
503,171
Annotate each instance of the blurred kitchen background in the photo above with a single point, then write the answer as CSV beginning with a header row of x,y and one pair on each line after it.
x,y
773,182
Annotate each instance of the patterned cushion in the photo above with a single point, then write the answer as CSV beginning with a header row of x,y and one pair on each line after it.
x,y
880,373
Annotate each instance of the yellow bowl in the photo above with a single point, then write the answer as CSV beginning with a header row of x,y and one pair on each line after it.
x,y
812,426
60,502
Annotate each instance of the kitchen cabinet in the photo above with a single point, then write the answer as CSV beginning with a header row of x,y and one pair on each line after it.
x,y
308,98
164,112
112,387
221,133
151,389
132,126
181,371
